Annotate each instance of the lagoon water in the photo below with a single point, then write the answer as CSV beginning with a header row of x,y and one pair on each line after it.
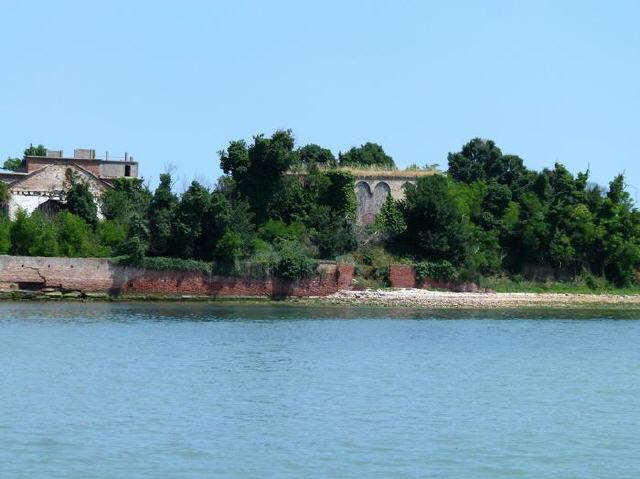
x,y
198,391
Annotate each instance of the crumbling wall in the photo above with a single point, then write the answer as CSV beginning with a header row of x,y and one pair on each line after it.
x,y
100,275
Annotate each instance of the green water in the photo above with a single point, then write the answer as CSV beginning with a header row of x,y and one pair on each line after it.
x,y
195,391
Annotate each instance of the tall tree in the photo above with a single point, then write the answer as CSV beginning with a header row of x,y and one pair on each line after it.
x,y
474,161
128,196
161,211
434,224
258,169
81,203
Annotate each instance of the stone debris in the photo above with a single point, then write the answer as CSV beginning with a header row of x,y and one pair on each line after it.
x,y
423,298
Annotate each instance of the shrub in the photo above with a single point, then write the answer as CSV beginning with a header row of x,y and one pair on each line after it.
x,y
292,261
435,269
5,236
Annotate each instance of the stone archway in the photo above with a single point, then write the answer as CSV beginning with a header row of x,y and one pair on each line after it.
x,y
364,214
380,193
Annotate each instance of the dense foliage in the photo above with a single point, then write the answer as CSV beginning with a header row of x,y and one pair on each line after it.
x,y
369,154
12,164
492,215
278,209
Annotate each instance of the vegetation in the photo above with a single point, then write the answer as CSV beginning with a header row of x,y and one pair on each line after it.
x,y
38,150
489,218
369,154
12,164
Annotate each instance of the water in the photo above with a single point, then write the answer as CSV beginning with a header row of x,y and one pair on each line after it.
x,y
195,391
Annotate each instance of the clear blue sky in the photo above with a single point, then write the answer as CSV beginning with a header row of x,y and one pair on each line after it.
x,y
173,82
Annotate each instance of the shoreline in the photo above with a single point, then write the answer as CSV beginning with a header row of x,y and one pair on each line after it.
x,y
391,298
430,299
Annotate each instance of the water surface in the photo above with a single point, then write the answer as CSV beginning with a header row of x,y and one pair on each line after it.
x,y
106,390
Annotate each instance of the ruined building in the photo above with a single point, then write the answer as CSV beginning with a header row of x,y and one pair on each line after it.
x,y
41,182
373,187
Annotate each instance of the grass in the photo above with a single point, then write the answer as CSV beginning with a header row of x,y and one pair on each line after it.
x,y
506,285
375,171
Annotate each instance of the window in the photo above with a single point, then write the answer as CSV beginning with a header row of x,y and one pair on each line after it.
x,y
127,170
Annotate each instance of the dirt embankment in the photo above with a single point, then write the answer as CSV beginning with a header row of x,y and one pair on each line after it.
x,y
437,299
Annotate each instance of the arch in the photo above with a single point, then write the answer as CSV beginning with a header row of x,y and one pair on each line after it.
x,y
50,207
364,198
380,193
363,188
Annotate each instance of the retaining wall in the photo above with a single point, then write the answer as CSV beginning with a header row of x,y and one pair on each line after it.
x,y
404,276
100,275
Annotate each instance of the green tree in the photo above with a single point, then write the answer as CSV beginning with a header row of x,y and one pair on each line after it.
x,y
134,248
313,154
33,235
293,261
5,195
369,154
189,223
12,164
434,223
5,235
259,168
161,211
128,197
111,235
75,237
80,202
38,150
390,220
474,161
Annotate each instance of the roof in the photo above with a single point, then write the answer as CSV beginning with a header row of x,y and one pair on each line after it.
x,y
24,176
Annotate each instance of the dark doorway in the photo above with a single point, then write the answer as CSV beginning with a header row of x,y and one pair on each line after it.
x,y
50,208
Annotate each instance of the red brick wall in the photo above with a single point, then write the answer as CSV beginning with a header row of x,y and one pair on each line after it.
x,y
402,276
99,275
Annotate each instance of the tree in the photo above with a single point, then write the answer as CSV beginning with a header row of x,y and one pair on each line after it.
x,y
390,221
39,150
33,235
293,261
313,154
75,237
134,249
80,202
369,154
5,235
5,195
161,211
189,222
434,223
12,164
476,159
258,169
128,197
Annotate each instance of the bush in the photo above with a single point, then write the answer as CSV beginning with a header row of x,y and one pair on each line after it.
x,y
292,261
76,238
5,236
436,270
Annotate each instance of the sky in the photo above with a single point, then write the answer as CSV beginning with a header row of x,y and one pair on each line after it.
x,y
171,83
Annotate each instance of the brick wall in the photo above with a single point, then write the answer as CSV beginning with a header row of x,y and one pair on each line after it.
x,y
404,276
99,275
